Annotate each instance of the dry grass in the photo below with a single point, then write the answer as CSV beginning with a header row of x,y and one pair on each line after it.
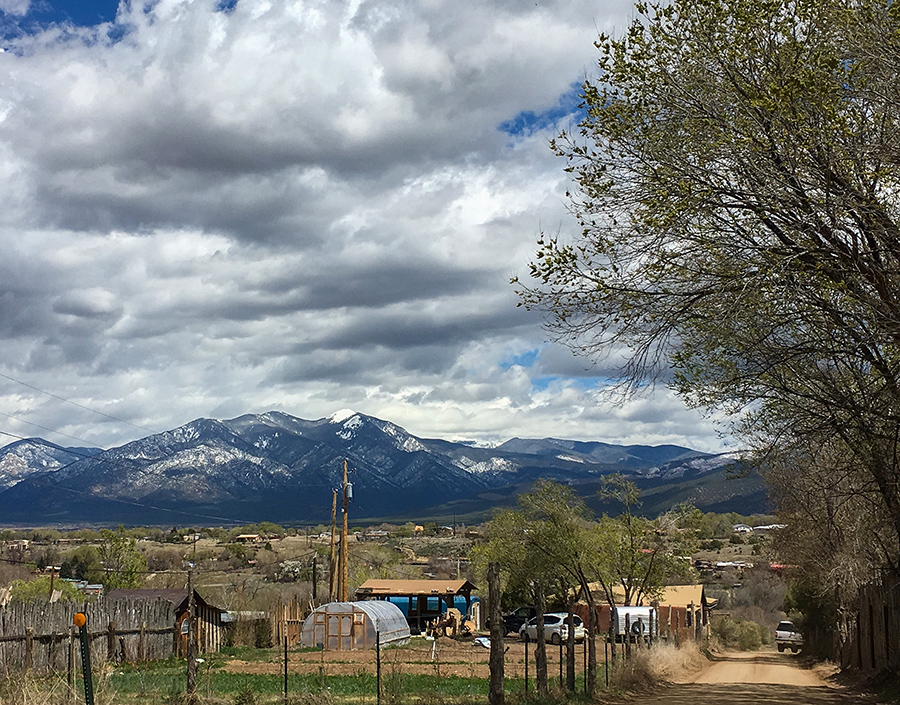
x,y
661,663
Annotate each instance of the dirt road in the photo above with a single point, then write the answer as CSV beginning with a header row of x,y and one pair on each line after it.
x,y
744,678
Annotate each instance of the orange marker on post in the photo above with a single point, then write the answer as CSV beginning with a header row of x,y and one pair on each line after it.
x,y
80,621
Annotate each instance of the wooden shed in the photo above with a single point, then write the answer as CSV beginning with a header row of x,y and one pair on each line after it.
x,y
423,600
208,624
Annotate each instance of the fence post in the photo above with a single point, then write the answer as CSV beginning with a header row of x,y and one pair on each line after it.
x,y
378,667
626,637
29,648
80,620
526,664
495,692
70,666
111,642
142,643
606,660
560,665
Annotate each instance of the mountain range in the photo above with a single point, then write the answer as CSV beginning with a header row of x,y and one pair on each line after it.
x,y
277,467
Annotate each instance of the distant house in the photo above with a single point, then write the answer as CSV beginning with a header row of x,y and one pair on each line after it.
x,y
249,538
208,627
742,529
374,535
769,527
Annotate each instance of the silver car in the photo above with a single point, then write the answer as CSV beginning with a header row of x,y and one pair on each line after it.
x,y
556,629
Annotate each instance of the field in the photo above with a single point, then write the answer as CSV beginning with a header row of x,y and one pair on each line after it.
x,y
432,672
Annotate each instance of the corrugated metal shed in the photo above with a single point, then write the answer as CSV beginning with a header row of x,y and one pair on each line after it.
x,y
347,626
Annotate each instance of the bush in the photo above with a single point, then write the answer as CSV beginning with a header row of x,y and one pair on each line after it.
x,y
246,696
743,635
263,634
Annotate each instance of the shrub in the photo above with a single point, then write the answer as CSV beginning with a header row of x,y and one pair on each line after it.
x,y
743,635
246,696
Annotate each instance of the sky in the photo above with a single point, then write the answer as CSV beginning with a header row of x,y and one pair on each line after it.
x,y
213,208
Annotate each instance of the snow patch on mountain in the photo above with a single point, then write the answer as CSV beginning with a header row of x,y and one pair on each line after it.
x,y
349,428
342,415
483,467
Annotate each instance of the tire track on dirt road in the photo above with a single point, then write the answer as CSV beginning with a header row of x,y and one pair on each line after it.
x,y
744,679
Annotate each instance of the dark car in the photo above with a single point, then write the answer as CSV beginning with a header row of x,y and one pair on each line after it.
x,y
513,620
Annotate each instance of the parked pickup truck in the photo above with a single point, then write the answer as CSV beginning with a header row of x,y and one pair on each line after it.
x,y
512,621
787,637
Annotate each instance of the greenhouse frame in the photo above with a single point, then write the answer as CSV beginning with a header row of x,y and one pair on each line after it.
x,y
348,626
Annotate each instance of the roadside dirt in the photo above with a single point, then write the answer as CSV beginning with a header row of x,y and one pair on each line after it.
x,y
768,677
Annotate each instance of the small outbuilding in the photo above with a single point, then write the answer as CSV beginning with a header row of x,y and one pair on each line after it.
x,y
425,600
348,626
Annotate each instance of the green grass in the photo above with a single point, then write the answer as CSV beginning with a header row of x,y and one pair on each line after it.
x,y
163,682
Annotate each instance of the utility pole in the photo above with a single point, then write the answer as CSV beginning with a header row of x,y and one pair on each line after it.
x,y
345,572
192,641
332,569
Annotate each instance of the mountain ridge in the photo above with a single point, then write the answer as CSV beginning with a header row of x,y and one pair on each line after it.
x,y
279,467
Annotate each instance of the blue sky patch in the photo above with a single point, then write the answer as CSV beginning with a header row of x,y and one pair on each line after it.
x,y
528,122
526,359
226,6
42,13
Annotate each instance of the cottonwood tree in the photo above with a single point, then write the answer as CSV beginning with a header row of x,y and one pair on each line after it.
x,y
736,182
123,564
838,539
635,556
515,542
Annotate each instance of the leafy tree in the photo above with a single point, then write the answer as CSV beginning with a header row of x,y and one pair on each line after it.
x,y
123,564
38,590
83,564
735,178
635,554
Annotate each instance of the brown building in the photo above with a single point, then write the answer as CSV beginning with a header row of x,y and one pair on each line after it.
x,y
208,623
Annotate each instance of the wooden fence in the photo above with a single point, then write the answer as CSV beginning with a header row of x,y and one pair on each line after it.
x,y
41,637
287,620
867,638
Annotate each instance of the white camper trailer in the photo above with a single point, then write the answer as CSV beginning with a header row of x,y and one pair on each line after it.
x,y
637,622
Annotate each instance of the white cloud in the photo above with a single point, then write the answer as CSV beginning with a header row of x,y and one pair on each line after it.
x,y
18,8
298,205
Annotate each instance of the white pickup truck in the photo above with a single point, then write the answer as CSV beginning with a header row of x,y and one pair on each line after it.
x,y
787,637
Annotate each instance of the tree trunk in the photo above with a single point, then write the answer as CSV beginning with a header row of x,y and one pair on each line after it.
x,y
591,675
540,652
495,692
570,647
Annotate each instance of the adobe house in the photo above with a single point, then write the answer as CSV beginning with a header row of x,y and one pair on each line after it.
x,y
682,610
209,628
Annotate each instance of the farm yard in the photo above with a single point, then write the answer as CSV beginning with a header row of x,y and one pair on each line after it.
x,y
440,671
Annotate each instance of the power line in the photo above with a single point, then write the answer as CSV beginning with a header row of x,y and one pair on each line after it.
x,y
75,403
46,428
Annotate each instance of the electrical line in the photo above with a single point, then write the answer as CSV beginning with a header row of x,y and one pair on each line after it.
x,y
75,403
46,428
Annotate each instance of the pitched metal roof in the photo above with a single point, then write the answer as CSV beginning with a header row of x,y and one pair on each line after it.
x,y
415,587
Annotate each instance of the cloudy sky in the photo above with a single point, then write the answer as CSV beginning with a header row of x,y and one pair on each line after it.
x,y
216,207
